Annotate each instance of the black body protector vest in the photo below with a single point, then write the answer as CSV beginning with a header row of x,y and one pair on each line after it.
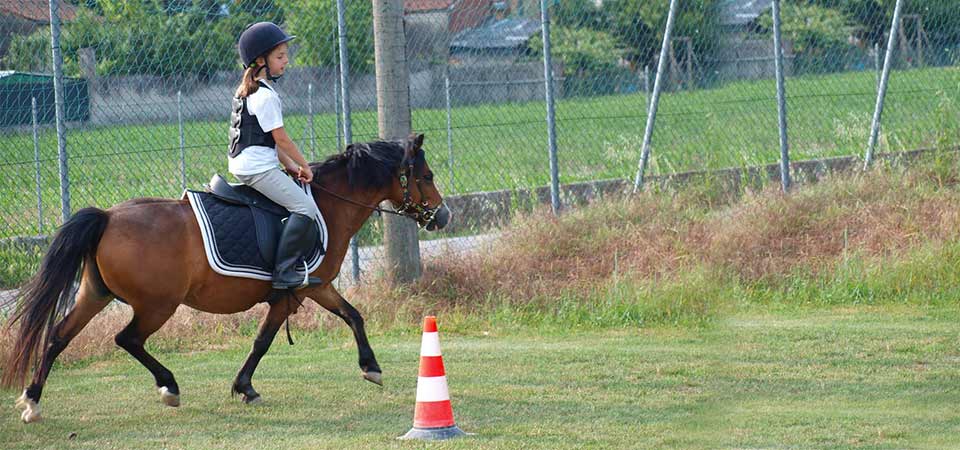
x,y
245,129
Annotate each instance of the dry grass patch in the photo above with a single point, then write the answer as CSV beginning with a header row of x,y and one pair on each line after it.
x,y
656,237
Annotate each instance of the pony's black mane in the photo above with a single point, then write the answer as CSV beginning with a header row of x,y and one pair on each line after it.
x,y
369,165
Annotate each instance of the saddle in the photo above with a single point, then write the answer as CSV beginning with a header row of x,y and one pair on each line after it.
x,y
241,227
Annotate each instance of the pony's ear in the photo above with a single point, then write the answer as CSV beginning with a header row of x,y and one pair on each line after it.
x,y
415,142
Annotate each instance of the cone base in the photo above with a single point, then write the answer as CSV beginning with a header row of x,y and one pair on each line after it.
x,y
434,434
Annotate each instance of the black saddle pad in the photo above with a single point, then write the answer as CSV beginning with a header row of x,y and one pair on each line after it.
x,y
241,241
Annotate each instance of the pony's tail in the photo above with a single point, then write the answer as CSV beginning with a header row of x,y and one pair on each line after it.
x,y
44,299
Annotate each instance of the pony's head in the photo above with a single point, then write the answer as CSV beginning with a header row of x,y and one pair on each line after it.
x,y
397,169
414,193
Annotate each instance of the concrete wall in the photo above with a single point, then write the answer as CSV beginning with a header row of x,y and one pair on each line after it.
x,y
750,59
484,210
497,82
149,99
152,99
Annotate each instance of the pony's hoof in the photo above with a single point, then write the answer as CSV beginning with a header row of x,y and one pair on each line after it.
x,y
255,400
169,398
22,400
374,377
31,413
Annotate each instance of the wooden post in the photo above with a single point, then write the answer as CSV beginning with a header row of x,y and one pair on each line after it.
x,y
88,67
393,119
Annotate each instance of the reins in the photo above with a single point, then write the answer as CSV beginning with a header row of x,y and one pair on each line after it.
x,y
404,210
354,202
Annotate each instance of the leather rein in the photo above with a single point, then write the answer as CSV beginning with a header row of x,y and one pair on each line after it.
x,y
409,208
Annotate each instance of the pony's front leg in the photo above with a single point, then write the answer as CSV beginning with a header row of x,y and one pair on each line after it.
x,y
279,310
328,297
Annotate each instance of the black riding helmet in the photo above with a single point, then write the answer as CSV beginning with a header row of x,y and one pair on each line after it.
x,y
258,39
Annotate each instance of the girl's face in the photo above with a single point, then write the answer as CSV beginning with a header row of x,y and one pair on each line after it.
x,y
277,59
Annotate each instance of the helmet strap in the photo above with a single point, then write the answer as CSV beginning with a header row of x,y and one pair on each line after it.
x,y
270,76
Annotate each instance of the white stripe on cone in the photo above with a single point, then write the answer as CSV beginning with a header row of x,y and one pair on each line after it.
x,y
430,344
432,389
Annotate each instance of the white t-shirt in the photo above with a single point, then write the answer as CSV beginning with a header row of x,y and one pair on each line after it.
x,y
265,106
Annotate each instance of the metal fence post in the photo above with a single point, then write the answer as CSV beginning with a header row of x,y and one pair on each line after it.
x,y
781,100
36,162
344,74
336,94
58,101
347,124
313,140
654,102
551,113
183,151
876,62
884,79
446,90
646,85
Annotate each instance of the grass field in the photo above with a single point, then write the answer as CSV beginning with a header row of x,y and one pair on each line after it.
x,y
688,318
851,377
504,146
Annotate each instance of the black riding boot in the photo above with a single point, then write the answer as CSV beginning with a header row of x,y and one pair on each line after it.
x,y
298,238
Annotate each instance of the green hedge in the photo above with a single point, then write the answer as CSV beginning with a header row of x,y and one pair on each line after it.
x,y
148,37
166,37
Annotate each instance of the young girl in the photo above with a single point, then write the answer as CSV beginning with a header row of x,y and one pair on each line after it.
x,y
259,144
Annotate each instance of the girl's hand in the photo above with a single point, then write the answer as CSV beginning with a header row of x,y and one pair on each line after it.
x,y
305,174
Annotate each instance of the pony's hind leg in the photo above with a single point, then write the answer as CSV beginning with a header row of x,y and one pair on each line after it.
x,y
91,299
146,322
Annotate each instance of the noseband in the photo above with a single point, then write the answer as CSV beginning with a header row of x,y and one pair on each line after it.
x,y
421,212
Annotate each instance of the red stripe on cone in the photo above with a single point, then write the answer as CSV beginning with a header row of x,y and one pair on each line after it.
x,y
429,324
431,366
433,415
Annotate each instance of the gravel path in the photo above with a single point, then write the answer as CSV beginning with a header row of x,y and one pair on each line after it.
x,y
370,256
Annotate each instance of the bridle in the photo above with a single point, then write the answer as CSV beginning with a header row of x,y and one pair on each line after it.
x,y
422,212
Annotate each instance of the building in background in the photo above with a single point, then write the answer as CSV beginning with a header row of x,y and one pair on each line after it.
x,y
431,24
25,16
498,40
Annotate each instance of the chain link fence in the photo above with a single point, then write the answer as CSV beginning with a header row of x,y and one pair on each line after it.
x,y
147,87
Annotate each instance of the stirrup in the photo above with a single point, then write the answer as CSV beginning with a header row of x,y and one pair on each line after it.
x,y
307,281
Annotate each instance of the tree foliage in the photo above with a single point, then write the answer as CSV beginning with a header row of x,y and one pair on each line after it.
x,y
316,20
147,37
872,18
637,25
590,58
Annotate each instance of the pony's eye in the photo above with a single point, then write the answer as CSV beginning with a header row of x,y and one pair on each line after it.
x,y
428,176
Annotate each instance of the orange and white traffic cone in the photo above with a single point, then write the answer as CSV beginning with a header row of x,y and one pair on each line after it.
x,y
433,416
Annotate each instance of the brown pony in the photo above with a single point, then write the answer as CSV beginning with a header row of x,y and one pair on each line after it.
x,y
148,254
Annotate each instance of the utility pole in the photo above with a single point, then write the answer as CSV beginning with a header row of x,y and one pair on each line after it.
x,y
393,119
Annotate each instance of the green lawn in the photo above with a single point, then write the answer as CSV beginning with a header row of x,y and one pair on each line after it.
x,y
504,146
852,377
